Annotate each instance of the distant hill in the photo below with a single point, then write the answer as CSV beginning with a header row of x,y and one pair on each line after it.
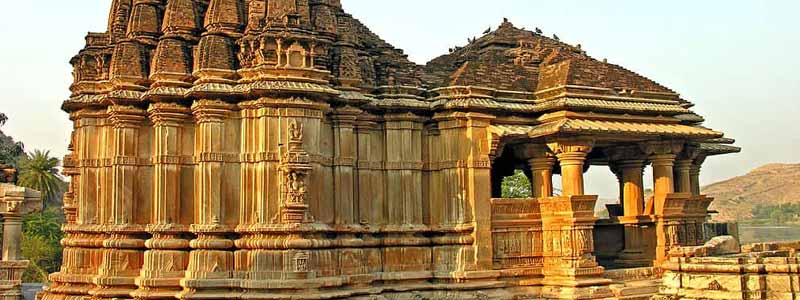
x,y
771,184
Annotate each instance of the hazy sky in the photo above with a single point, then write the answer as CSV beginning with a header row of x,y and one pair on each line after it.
x,y
736,60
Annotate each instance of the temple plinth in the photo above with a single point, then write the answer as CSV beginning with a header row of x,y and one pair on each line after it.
x,y
281,150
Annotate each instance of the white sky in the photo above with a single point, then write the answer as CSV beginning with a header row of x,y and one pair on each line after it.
x,y
736,60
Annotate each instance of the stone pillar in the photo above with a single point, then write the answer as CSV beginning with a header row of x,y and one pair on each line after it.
x,y
662,155
629,162
542,173
83,238
694,175
632,187
12,234
568,231
633,195
369,173
210,259
123,250
478,174
166,258
541,162
15,202
683,179
667,204
344,160
404,205
683,166
571,156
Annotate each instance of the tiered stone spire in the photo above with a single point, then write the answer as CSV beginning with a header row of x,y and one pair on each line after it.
x,y
172,61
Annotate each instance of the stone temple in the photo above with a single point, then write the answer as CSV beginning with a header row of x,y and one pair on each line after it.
x,y
278,149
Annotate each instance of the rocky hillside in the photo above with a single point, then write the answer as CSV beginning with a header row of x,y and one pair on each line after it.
x,y
771,184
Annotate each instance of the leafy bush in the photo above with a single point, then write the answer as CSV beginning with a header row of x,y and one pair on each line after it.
x,y
41,239
516,186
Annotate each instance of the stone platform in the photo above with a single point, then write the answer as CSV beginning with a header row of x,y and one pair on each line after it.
x,y
759,271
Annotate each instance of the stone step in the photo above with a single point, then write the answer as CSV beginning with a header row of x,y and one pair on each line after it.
x,y
636,290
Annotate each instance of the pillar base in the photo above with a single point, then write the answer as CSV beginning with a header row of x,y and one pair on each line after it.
x,y
11,284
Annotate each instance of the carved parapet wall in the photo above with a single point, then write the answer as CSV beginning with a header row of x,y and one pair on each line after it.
x,y
517,236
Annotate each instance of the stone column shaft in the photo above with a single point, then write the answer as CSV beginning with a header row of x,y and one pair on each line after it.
x,y
662,155
344,164
12,234
571,156
210,256
694,175
542,173
165,260
126,121
683,178
663,178
632,187
123,249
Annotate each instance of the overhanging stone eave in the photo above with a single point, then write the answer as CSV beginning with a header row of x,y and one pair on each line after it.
x,y
628,130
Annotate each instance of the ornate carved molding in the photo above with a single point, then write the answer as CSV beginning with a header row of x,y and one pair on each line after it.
x,y
571,146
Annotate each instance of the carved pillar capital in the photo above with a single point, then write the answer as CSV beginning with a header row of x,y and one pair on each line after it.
x,y
533,151
694,174
210,111
689,152
541,162
126,116
366,122
571,156
683,165
168,114
345,116
662,151
625,153
570,147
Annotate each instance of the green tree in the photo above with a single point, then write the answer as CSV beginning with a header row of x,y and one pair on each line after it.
x,y
41,244
39,171
516,186
9,149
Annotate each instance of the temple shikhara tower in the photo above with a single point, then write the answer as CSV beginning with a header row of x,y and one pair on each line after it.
x,y
278,149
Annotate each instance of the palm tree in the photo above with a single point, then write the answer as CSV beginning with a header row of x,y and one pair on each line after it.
x,y
39,171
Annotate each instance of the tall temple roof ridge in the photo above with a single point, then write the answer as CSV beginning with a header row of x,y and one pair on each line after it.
x,y
236,43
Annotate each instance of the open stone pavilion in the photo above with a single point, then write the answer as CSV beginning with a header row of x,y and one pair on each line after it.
x,y
278,149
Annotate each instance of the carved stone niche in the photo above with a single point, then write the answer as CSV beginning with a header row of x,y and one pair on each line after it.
x,y
297,56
